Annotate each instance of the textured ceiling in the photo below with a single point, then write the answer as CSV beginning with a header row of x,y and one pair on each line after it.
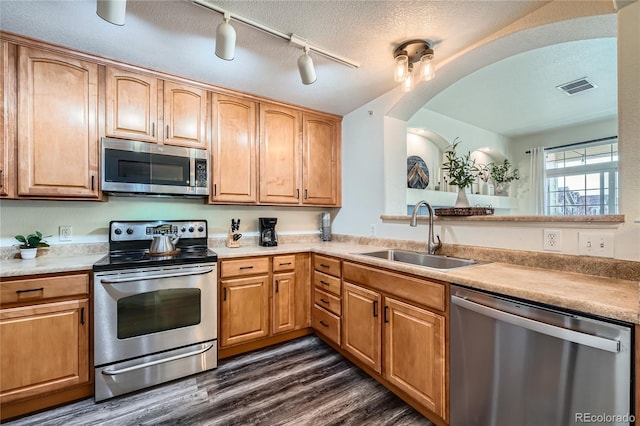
x,y
178,37
518,95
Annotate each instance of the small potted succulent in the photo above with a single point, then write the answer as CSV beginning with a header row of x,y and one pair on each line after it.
x,y
29,244
462,171
503,174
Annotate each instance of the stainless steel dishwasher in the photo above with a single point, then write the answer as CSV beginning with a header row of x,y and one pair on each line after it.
x,y
516,363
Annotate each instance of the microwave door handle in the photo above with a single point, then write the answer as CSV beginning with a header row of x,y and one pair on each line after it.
x,y
153,277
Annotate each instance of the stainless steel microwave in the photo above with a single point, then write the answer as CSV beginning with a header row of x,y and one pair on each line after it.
x,y
134,167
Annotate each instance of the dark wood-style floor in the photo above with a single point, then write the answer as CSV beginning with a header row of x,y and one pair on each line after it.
x,y
303,382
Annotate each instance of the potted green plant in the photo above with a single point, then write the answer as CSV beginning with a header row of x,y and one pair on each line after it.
x,y
461,170
30,244
503,174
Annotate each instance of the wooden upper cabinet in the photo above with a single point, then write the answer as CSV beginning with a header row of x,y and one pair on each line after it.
x,y
280,154
132,105
58,146
185,115
321,161
142,107
234,155
7,120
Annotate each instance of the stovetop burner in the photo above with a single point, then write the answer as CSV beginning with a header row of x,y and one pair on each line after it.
x,y
129,244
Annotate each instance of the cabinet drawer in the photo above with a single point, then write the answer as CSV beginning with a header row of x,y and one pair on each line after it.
x,y
35,289
327,301
327,283
422,291
284,263
326,323
241,267
327,265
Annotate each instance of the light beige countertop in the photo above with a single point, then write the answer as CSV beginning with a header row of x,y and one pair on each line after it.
x,y
607,297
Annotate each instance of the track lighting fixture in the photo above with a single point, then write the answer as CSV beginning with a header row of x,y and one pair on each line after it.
x,y
225,43
306,68
407,54
225,40
112,11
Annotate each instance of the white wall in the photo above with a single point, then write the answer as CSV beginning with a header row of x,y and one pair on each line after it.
x,y
508,235
90,220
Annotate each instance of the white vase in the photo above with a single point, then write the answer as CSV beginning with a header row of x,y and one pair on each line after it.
x,y
28,253
462,200
502,189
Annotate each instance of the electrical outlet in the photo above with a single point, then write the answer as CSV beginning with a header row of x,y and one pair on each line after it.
x,y
552,240
595,244
65,232
373,230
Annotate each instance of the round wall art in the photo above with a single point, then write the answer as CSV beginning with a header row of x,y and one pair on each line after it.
x,y
417,173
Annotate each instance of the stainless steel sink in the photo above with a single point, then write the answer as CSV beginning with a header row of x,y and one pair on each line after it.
x,y
421,259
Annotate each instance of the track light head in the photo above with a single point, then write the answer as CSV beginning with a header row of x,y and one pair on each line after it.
x,y
112,11
225,40
306,68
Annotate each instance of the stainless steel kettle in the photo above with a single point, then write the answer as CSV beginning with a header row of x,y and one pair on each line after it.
x,y
163,243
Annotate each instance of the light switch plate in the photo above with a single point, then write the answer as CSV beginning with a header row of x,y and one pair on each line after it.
x,y
595,244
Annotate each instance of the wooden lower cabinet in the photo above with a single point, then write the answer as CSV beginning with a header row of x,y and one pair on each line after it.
x,y
414,348
245,310
283,302
44,348
262,298
361,330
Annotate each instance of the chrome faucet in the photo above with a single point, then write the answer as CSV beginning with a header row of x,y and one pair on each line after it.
x,y
433,244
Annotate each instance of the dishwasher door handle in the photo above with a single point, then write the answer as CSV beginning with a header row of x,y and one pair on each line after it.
x,y
540,327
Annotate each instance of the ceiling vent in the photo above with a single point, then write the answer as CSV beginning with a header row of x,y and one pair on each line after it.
x,y
576,86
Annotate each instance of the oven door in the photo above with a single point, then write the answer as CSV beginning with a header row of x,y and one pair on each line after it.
x,y
139,312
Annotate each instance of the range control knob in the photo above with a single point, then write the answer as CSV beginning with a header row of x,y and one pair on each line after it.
x,y
117,231
191,229
129,231
200,228
183,229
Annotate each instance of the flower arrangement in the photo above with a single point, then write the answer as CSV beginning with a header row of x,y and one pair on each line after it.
x,y
34,240
504,173
461,169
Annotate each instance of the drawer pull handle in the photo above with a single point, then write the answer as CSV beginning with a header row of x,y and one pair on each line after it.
x,y
246,267
324,301
30,290
323,265
324,323
375,308
285,264
324,282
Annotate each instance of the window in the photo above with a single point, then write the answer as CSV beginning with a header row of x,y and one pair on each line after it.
x,y
582,179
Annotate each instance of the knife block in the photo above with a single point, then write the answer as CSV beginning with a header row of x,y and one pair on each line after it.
x,y
231,243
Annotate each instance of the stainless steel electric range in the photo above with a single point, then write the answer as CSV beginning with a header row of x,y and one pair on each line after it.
x,y
155,312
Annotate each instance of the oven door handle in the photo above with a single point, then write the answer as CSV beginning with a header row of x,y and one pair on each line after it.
x,y
153,277
156,362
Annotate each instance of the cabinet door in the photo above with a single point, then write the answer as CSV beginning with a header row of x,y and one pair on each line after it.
x,y
185,115
415,353
245,310
45,348
132,105
57,125
284,302
280,139
7,120
234,155
361,329
321,165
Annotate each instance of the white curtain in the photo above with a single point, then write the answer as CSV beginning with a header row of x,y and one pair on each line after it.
x,y
536,181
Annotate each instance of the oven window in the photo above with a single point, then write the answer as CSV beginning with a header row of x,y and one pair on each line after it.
x,y
156,311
